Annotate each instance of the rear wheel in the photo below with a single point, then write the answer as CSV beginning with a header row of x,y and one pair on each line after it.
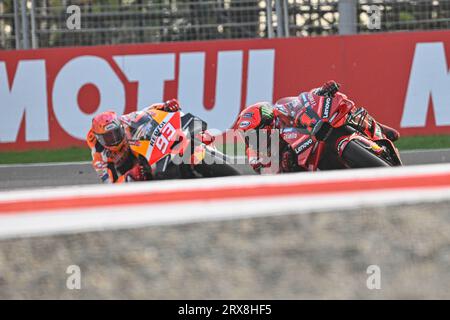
x,y
357,156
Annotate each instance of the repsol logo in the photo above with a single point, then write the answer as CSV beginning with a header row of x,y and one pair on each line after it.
x,y
305,145
326,108
157,132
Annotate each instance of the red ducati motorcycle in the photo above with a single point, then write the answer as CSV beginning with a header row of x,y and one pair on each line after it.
x,y
330,134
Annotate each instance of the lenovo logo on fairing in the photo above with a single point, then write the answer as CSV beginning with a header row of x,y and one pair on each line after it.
x,y
326,108
429,78
305,145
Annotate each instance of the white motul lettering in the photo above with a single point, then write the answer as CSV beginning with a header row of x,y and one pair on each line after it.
x,y
228,87
429,76
27,96
75,74
150,71
260,76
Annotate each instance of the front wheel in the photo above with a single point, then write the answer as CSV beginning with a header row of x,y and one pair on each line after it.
x,y
357,156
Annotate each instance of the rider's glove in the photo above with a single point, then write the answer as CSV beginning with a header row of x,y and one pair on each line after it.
x,y
169,106
172,105
328,89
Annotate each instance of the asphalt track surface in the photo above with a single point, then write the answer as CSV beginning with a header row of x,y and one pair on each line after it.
x,y
287,255
21,176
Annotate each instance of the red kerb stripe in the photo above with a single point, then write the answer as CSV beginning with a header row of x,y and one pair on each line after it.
x,y
223,193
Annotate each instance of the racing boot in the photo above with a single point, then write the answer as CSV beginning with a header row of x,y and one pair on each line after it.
x,y
390,133
361,120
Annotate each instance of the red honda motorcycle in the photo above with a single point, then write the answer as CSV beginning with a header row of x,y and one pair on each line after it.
x,y
328,135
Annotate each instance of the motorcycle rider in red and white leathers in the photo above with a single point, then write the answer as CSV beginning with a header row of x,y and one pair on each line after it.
x,y
109,136
283,115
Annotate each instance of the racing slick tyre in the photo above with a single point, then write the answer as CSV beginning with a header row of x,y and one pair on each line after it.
x,y
356,156
215,164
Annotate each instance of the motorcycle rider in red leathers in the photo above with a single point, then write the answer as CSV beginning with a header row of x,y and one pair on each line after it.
x,y
283,115
108,138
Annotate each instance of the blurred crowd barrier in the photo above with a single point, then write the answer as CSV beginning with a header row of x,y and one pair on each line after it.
x,y
52,23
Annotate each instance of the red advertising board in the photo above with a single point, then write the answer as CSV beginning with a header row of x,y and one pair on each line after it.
x,y
48,96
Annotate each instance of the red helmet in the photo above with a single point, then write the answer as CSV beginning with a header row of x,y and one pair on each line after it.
x,y
108,130
256,119
257,116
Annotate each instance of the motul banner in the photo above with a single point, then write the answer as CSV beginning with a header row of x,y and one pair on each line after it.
x,y
48,96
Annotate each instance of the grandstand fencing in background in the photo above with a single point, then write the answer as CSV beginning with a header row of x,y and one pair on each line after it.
x,y
43,23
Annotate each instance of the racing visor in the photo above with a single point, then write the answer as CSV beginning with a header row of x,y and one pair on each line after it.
x,y
112,137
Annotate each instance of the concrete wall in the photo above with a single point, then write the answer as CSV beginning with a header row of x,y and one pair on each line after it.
x,y
317,255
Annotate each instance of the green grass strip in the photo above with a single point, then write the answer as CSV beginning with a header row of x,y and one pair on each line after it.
x,y
424,142
40,156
